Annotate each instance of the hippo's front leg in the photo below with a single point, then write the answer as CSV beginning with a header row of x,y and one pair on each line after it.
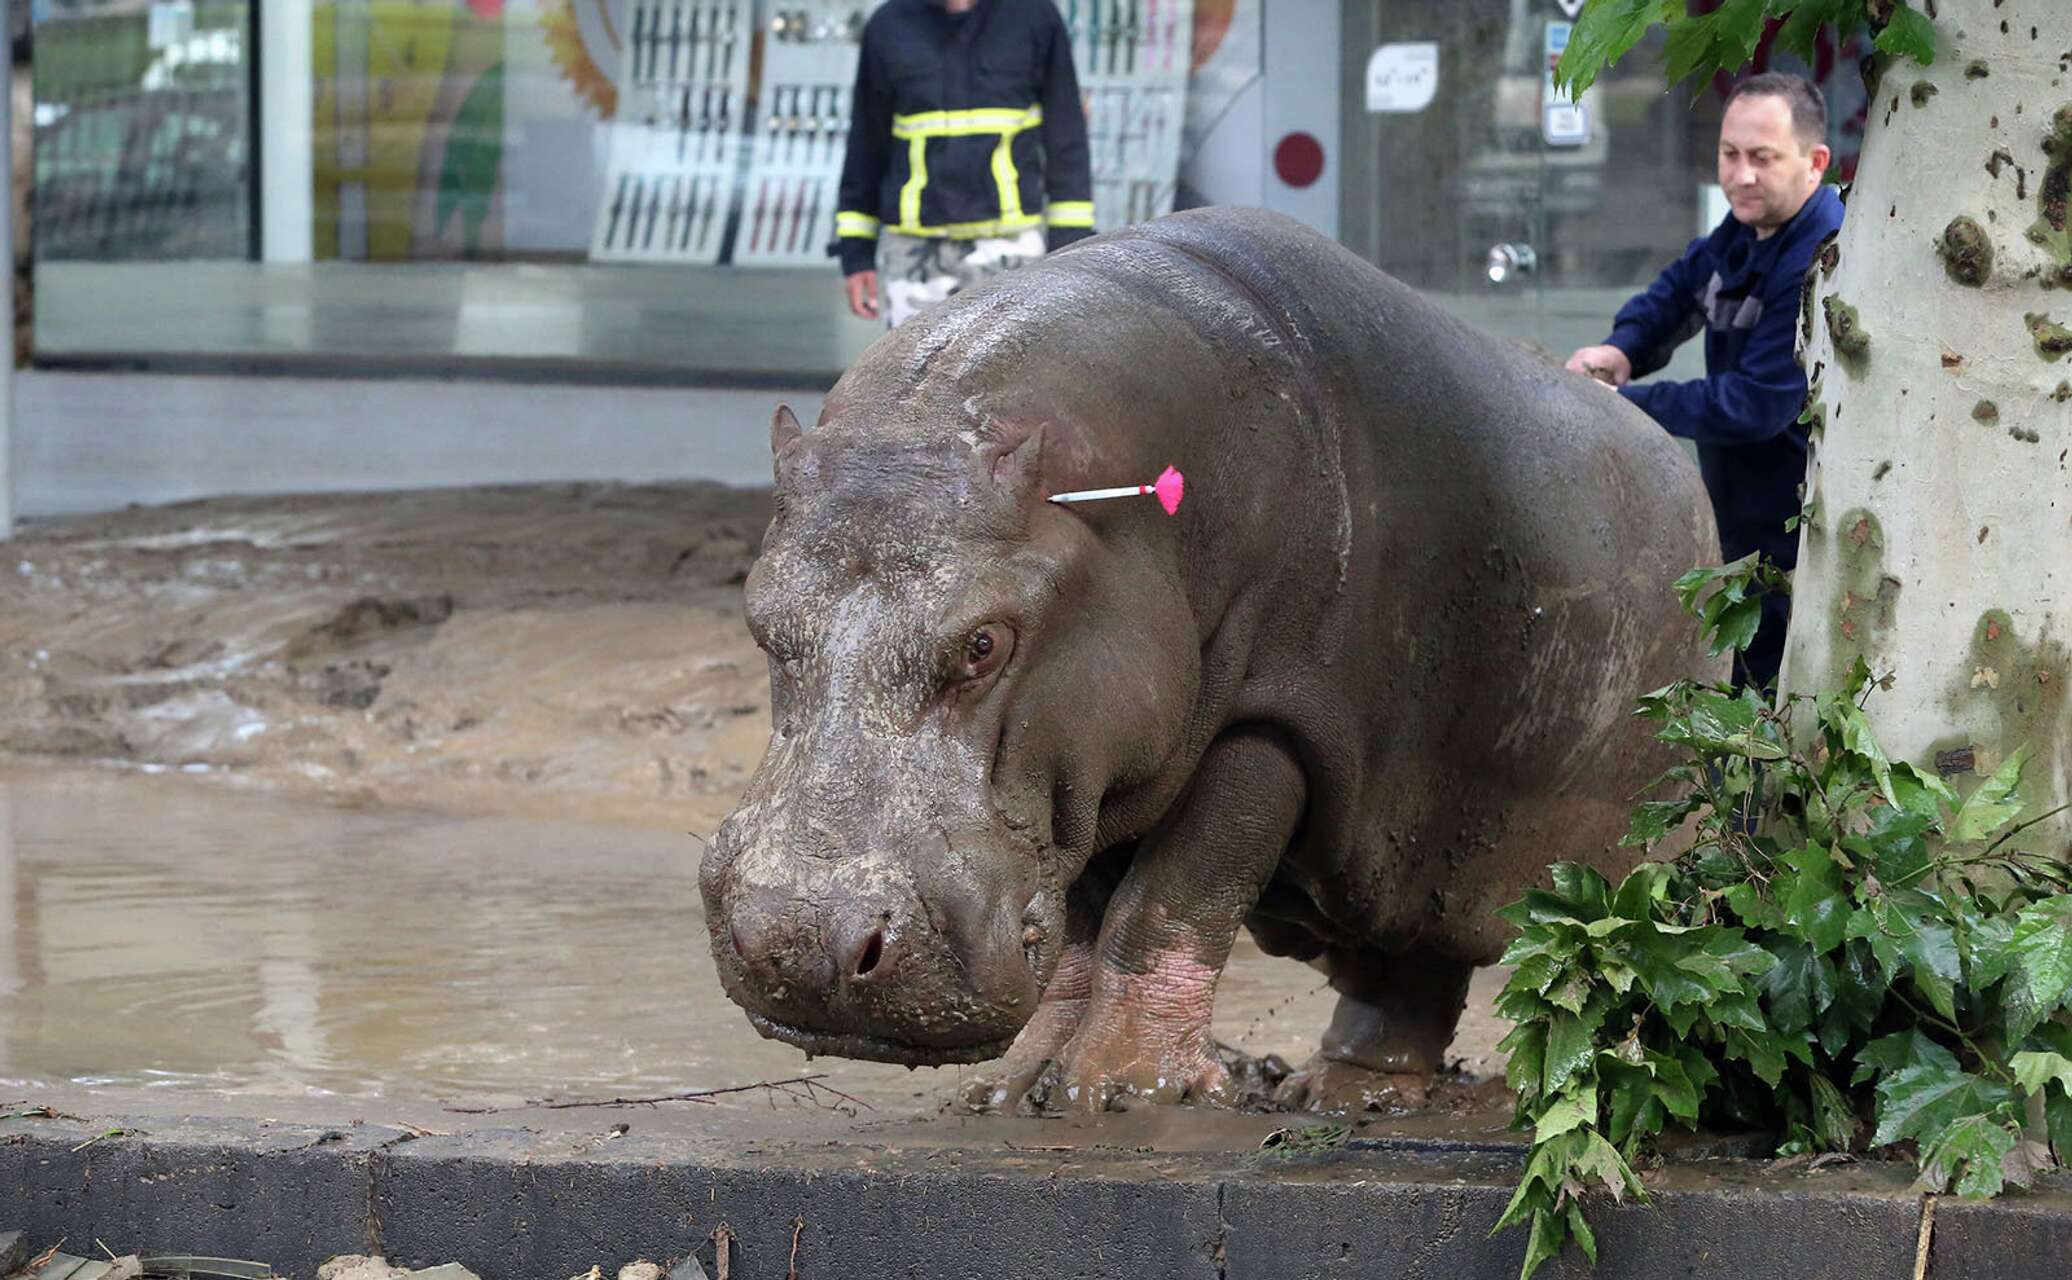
x,y
1058,1012
1167,933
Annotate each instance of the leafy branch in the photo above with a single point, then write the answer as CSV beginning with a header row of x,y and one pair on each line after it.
x,y
1847,955
1702,45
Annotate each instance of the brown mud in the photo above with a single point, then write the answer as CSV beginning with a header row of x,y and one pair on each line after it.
x,y
566,651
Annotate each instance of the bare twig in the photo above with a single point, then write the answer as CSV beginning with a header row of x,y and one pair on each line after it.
x,y
111,1133
791,1272
722,1247
807,1088
1924,1242
36,1263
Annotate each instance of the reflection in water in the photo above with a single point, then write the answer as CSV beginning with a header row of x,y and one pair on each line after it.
x,y
159,932
163,933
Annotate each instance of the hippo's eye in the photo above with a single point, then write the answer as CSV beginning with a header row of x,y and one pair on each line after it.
x,y
986,650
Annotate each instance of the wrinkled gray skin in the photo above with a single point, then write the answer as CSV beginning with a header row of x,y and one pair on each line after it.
x,y
1374,676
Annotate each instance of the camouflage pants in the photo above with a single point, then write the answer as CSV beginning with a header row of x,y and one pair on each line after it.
x,y
914,272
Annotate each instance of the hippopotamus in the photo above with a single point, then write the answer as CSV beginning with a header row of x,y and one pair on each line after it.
x,y
1033,765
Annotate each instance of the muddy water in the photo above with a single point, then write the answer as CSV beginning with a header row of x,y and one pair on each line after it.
x,y
157,932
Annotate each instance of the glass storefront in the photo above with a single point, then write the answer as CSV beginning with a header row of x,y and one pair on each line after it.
x,y
644,188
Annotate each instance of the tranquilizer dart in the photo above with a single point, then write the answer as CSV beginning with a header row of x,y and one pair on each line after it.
x,y
1168,488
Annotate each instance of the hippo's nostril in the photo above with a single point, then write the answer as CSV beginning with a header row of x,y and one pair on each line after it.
x,y
873,951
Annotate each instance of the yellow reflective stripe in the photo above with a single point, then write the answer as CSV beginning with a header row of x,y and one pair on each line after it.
x,y
917,178
859,225
1071,213
1007,177
950,124
972,230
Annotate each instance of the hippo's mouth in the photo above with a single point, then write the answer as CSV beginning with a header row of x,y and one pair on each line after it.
x,y
876,1048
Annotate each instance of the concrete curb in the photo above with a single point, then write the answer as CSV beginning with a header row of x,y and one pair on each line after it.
x,y
535,1203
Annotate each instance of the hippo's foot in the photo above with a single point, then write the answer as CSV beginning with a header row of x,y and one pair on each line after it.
x,y
1134,1038
1103,1073
1388,1035
1331,1084
1008,1085
1143,1038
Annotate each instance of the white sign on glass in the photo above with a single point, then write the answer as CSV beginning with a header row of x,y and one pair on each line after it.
x,y
1403,77
1564,122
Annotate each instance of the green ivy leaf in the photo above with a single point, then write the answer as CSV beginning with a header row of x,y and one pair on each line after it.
x,y
1654,819
1859,996
1919,793
1633,1109
1526,1067
1579,1230
1545,1243
2033,1069
1910,932
1737,1010
1572,1110
1815,904
1569,1050
1723,40
1604,33
1717,724
2057,1119
1660,960
1908,34
1736,626
1799,986
1642,891
1842,717
1763,1051
1802,28
1749,904
1986,942
1674,1087
1600,1160
1589,892
1834,1120
1993,803
1970,1150
1919,1102
2039,980
1902,1051
1898,846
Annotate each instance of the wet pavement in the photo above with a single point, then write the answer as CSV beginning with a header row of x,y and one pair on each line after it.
x,y
157,932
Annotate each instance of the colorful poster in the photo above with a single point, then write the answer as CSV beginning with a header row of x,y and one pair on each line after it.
x,y
409,133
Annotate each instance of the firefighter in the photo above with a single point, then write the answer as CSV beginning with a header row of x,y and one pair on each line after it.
x,y
967,151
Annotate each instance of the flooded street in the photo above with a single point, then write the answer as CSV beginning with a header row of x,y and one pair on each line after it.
x,y
161,932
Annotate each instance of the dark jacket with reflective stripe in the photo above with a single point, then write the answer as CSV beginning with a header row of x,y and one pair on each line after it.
x,y
1743,294
965,125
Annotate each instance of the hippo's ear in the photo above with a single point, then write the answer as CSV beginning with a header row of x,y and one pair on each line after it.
x,y
1018,466
785,437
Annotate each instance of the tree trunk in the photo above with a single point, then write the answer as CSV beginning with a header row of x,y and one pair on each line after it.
x,y
1938,538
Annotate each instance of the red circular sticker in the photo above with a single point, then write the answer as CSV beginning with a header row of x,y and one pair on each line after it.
x,y
1298,160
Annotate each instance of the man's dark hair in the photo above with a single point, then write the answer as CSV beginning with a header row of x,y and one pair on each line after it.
x,y
1802,96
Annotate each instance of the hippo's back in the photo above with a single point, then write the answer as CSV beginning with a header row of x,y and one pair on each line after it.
x,y
1511,533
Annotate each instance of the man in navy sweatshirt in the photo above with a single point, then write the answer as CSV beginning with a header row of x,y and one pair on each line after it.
x,y
1740,285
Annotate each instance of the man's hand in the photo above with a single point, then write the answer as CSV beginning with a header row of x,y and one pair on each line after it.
x,y
863,294
1607,364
